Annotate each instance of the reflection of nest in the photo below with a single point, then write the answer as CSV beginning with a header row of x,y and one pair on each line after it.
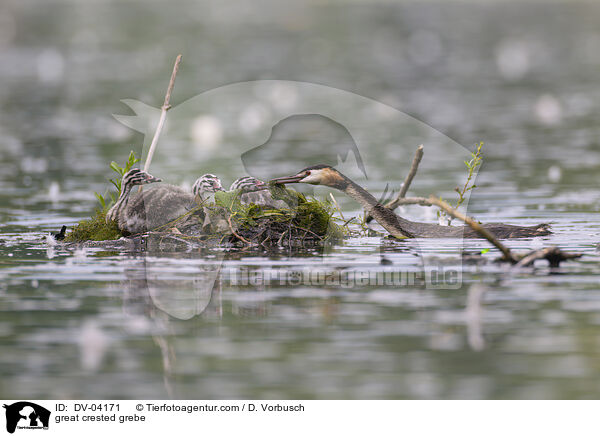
x,y
182,296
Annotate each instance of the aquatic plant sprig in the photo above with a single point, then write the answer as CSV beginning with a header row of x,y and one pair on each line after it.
x,y
472,165
120,170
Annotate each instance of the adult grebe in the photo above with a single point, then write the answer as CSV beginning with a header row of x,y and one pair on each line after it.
x,y
394,224
254,191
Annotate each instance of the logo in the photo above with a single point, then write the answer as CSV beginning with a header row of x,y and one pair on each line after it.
x,y
26,415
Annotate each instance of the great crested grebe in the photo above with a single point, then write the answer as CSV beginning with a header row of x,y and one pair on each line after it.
x,y
254,191
149,209
205,186
394,224
121,210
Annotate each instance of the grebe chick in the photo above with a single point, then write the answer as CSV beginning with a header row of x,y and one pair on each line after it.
x,y
394,224
121,212
204,188
254,191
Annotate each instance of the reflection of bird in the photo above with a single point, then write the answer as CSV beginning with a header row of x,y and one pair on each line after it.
x,y
254,191
149,209
396,225
205,186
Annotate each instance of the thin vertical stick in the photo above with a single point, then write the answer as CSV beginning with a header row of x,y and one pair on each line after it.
x,y
409,178
163,114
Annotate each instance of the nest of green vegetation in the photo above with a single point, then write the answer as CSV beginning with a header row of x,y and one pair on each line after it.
x,y
94,229
306,222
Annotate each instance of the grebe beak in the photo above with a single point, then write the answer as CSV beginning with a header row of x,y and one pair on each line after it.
x,y
151,179
289,179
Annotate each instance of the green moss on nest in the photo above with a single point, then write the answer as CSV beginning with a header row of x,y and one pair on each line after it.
x,y
94,229
306,220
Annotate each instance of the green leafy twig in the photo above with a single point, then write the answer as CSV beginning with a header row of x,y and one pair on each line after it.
x,y
120,170
472,165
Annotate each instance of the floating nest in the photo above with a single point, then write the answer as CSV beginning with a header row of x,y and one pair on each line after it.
x,y
306,222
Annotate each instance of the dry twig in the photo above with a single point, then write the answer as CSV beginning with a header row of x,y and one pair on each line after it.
x,y
407,181
241,238
553,255
409,177
163,114
475,226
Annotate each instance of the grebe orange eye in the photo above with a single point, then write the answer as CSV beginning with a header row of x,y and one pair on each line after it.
x,y
308,173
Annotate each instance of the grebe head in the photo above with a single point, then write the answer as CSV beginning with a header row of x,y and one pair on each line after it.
x,y
136,177
131,178
315,175
207,184
248,184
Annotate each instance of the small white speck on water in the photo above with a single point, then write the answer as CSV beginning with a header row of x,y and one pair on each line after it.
x,y
206,132
253,118
513,59
548,110
50,66
54,192
554,173
93,344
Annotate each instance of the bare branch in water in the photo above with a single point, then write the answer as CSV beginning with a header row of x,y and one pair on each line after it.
x,y
475,226
553,255
409,178
413,200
